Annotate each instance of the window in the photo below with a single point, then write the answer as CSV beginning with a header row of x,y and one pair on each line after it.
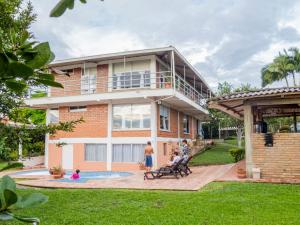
x,y
128,152
164,117
134,74
88,80
68,71
186,124
199,128
133,116
95,152
77,109
165,149
54,116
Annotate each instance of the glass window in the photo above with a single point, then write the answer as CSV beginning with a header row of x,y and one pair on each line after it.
x,y
77,109
54,116
164,117
95,152
88,80
128,152
133,116
186,124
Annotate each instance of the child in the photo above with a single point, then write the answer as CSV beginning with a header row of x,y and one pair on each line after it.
x,y
75,175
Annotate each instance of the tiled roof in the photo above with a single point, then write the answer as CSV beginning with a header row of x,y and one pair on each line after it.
x,y
259,93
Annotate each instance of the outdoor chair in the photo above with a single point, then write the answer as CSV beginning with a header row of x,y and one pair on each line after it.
x,y
165,171
183,167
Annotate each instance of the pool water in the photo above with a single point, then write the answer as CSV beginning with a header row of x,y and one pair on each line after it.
x,y
84,176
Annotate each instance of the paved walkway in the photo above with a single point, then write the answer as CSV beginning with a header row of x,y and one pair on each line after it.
x,y
199,178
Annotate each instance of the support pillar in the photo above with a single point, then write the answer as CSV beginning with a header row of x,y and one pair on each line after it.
x,y
109,144
248,126
154,132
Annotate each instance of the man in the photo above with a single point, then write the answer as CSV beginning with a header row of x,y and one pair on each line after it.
x,y
185,150
148,156
175,160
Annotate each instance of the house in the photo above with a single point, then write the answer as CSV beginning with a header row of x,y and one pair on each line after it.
x,y
273,155
125,99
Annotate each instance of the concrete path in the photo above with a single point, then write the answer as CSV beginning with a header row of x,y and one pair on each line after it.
x,y
200,177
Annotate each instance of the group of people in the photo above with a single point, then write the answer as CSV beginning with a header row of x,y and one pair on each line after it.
x,y
176,156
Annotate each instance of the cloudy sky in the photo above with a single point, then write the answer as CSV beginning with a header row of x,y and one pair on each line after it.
x,y
226,40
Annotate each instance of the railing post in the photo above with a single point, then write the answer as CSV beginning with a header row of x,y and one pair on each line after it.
x,y
173,68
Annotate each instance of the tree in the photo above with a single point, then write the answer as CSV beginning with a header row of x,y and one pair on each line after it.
x,y
295,59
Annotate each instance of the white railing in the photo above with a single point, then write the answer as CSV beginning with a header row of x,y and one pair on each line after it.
x,y
125,81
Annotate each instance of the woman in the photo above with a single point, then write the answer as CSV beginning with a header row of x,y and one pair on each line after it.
x,y
148,156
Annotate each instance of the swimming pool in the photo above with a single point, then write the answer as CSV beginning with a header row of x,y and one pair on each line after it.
x,y
84,176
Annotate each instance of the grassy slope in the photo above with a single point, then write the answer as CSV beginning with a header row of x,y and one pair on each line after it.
x,y
3,164
217,203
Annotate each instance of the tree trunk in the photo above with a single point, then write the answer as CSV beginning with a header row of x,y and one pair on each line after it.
x,y
239,134
286,80
294,79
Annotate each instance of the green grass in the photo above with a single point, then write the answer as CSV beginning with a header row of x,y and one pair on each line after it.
x,y
233,141
218,203
218,154
3,164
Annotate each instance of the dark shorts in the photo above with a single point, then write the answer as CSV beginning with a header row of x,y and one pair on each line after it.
x,y
148,162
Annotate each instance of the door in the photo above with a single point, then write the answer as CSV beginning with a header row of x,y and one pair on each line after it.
x,y
67,157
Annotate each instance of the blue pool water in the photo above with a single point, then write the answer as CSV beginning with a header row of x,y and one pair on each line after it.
x,y
84,176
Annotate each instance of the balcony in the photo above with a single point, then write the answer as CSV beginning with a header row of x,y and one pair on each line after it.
x,y
129,81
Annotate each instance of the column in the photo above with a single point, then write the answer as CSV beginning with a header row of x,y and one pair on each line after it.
x,y
109,144
248,124
47,139
154,132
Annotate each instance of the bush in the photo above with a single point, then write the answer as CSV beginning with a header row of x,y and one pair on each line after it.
x,y
13,165
4,150
237,153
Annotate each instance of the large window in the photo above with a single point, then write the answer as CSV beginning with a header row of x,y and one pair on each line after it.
x,y
95,152
54,116
134,74
133,116
128,152
88,80
164,114
186,124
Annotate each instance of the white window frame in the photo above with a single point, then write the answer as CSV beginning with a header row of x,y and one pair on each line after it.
x,y
104,158
131,151
50,112
88,81
123,120
168,111
77,109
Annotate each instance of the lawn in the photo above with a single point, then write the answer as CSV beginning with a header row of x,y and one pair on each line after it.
x,y
218,154
218,203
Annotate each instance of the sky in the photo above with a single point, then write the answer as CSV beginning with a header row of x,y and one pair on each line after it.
x,y
225,40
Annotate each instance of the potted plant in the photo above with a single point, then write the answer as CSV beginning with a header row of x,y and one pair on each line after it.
x,y
142,166
57,172
241,173
167,82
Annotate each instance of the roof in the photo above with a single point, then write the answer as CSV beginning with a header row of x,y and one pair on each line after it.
x,y
268,92
180,60
271,101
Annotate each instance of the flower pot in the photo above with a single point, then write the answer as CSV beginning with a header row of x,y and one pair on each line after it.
x,y
142,166
241,173
168,85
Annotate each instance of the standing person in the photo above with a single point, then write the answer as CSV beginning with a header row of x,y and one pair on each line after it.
x,y
148,156
185,150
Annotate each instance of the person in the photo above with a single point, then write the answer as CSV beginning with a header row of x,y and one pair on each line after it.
x,y
176,158
148,156
185,150
75,175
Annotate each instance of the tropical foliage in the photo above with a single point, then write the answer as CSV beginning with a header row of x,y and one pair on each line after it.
x,y
10,201
284,67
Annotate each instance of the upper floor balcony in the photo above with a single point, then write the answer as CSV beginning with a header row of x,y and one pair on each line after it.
x,y
155,74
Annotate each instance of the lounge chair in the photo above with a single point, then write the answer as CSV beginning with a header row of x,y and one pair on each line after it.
x,y
183,167
165,171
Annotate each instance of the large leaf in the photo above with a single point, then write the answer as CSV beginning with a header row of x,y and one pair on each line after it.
x,y
16,86
17,69
7,183
30,200
42,56
50,83
5,216
61,7
10,197
27,219
46,76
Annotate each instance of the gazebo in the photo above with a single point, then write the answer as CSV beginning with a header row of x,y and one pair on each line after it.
x,y
277,154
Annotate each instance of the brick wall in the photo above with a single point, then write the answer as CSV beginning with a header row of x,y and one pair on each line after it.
x,y
94,125
280,161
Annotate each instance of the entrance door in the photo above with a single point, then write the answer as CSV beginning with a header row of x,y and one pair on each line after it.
x,y
67,157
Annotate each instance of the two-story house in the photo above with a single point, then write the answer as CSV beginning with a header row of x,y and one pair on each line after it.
x,y
125,99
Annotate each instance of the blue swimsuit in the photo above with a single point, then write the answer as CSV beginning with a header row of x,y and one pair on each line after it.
x,y
148,162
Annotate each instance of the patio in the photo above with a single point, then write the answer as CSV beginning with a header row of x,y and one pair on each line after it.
x,y
200,177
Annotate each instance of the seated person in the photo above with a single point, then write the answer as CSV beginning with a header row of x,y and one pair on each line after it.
x,y
75,175
176,158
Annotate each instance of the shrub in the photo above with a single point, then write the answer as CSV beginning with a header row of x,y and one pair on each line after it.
x,y
13,166
237,153
4,149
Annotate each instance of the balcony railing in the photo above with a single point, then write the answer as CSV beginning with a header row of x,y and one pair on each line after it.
x,y
92,84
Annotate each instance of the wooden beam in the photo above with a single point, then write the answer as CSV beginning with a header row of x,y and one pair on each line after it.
x,y
215,105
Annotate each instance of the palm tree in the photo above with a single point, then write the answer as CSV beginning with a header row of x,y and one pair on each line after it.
x,y
279,69
295,59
